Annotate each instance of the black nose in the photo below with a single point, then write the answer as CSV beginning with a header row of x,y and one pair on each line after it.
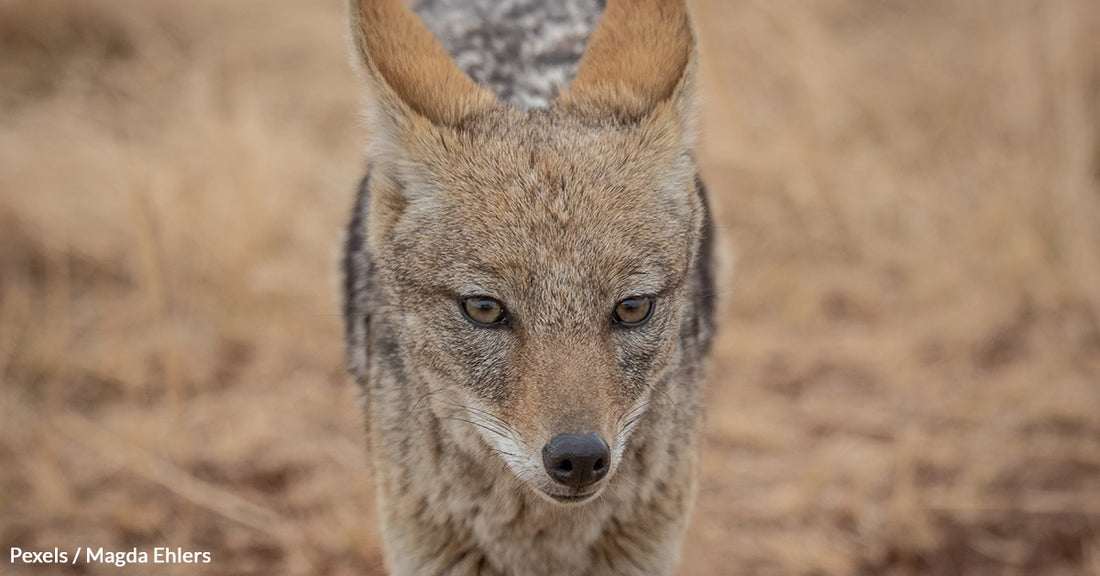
x,y
576,461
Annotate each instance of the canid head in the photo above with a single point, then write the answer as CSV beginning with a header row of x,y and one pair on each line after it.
x,y
536,266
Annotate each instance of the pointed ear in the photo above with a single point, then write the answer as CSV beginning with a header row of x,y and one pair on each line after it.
x,y
410,72
641,55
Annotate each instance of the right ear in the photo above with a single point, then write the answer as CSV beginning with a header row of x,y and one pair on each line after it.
x,y
411,76
640,58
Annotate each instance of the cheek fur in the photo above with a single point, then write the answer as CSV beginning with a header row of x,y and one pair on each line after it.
x,y
643,352
467,356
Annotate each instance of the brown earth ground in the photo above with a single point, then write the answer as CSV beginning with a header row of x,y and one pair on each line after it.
x,y
908,380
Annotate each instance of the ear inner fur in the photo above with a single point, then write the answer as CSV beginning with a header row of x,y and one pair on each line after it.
x,y
405,59
638,57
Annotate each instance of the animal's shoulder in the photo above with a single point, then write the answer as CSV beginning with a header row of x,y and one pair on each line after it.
x,y
524,50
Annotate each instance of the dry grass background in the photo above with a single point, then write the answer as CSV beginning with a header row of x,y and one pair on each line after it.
x,y
908,381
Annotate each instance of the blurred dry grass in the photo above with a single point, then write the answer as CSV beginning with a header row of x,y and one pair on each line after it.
x,y
908,381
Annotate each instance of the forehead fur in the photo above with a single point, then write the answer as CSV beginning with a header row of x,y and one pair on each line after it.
x,y
585,198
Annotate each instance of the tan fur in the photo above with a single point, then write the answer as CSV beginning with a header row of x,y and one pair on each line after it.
x,y
559,213
402,56
637,58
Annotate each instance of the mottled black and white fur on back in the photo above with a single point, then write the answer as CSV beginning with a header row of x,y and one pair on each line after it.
x,y
523,50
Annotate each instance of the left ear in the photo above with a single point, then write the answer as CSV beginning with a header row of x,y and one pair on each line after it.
x,y
410,73
640,61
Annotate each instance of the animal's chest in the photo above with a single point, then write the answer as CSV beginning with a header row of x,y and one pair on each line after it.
x,y
524,50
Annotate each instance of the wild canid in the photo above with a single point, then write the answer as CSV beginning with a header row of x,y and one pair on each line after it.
x,y
528,291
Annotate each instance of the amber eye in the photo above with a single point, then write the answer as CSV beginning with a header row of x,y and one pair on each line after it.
x,y
482,310
634,311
